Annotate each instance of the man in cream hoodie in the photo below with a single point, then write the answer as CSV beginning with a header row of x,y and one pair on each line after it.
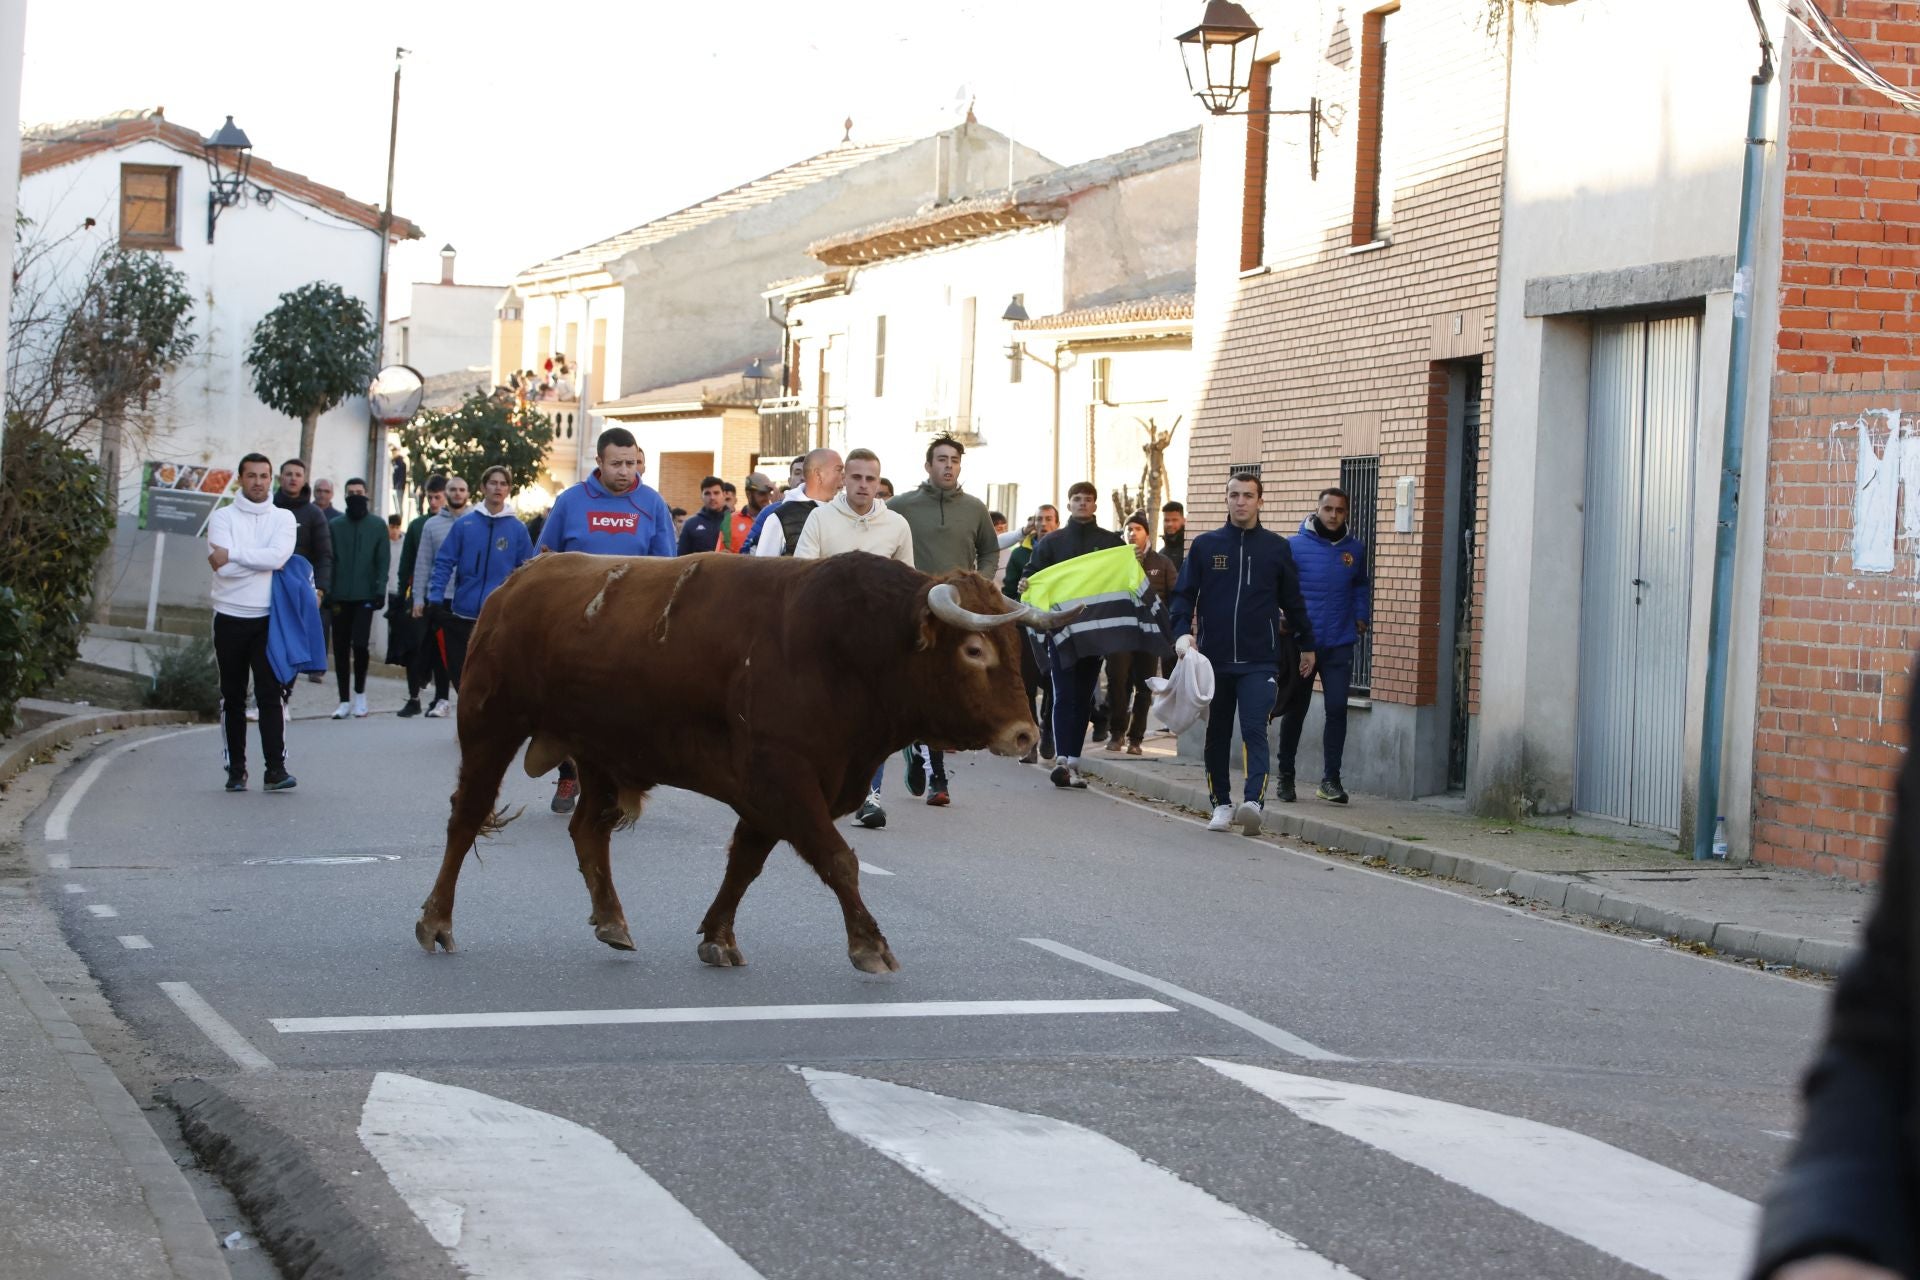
x,y
856,520
246,542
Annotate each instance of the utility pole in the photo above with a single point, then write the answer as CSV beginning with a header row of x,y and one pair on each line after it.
x,y
376,464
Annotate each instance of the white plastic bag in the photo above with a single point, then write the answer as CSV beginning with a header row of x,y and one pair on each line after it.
x,y
1181,700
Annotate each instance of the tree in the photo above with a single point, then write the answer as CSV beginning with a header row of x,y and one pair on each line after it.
x,y
313,350
1153,477
485,431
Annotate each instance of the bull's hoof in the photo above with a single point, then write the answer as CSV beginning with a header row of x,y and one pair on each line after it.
x,y
876,959
614,935
427,935
721,955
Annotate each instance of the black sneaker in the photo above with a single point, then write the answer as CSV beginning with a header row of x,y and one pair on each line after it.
x,y
236,779
1099,733
870,815
1061,776
916,772
1331,791
1046,742
279,780
411,709
1284,793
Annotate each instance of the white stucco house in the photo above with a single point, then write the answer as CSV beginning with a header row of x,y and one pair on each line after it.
x,y
447,326
1037,324
140,181
678,299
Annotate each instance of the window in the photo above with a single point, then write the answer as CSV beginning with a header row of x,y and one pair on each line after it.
x,y
879,357
149,206
1253,208
1372,178
1360,477
1005,498
1103,380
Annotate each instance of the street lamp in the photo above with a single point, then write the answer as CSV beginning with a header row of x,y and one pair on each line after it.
x,y
1219,70
755,376
229,162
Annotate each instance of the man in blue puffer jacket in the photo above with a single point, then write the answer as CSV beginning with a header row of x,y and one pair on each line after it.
x,y
1237,581
481,549
1333,577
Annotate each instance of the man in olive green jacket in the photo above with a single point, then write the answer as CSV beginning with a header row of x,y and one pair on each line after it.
x,y
360,552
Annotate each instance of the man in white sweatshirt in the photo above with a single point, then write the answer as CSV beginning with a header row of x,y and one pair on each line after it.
x,y
246,542
856,520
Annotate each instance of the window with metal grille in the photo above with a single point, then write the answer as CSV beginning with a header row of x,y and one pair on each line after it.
x,y
1360,477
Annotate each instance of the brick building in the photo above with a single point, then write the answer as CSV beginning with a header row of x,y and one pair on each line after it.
x,y
1838,624
1344,325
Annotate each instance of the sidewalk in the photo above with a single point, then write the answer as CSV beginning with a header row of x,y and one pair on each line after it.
x,y
114,651
90,1189
1770,914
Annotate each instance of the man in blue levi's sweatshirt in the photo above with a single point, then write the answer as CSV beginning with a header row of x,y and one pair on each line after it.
x,y
1333,578
610,513
1236,582
481,549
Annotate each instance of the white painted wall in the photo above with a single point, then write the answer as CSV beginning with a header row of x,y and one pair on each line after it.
x,y
1653,177
447,328
13,43
211,414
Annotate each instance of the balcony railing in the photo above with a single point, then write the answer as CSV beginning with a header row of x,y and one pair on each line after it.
x,y
563,454
967,430
790,426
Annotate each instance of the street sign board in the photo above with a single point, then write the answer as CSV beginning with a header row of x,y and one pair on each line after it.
x,y
178,497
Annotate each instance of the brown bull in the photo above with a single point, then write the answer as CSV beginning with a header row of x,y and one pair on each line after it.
x,y
775,686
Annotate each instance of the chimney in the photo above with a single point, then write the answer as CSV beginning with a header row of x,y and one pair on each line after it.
x,y
446,264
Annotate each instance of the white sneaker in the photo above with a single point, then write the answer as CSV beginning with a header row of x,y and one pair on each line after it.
x,y
253,714
439,709
359,706
1247,817
1222,818
344,710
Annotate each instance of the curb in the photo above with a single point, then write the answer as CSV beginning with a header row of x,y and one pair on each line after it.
x,y
306,1227
184,1233
1564,893
24,751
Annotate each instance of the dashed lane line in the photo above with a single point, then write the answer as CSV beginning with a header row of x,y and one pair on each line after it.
x,y
722,1013
73,888
1285,1041
225,1036
134,942
102,911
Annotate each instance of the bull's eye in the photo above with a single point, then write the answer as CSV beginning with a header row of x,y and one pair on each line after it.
x,y
976,650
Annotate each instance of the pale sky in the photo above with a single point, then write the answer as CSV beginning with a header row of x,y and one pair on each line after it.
x,y
530,129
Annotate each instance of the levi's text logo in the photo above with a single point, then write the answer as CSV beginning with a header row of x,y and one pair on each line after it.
x,y
613,522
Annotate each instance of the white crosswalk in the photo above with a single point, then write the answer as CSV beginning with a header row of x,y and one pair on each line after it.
x,y
509,1190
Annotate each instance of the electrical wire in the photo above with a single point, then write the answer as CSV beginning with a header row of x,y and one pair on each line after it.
x,y
1827,38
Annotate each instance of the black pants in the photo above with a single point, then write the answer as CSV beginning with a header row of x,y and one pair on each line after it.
x,y
240,649
1039,689
1128,698
1334,670
458,631
429,663
1073,689
352,633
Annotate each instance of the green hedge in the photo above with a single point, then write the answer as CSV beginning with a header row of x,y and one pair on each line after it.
x,y
55,524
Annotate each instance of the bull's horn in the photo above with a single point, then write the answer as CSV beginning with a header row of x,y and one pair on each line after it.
x,y
946,606
1043,620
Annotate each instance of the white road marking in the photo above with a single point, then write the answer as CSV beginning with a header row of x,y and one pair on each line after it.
x,y
102,911
1076,1199
510,1191
225,1036
721,1013
134,942
1622,1204
1778,1133
872,870
59,861
1285,1041
73,888
63,812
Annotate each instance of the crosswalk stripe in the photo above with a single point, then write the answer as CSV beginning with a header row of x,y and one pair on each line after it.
x,y
1076,1199
1622,1204
510,1191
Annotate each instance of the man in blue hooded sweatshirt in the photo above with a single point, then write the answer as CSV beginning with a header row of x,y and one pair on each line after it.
x,y
481,549
610,513
1332,564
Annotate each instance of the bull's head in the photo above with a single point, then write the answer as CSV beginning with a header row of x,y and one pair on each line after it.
x,y
983,696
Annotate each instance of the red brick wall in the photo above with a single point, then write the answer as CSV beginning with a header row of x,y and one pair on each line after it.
x,y
1836,643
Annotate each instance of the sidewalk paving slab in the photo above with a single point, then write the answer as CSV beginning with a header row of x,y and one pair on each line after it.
x,y
1776,916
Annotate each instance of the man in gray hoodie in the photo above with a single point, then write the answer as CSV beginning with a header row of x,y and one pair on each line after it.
x,y
951,530
429,656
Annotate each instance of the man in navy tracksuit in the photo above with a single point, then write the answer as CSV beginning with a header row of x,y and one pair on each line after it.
x,y
1235,584
481,549
1333,578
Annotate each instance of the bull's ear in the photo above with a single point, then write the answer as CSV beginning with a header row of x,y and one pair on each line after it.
x,y
923,638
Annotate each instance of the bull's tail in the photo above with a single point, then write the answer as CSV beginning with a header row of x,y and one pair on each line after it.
x,y
496,821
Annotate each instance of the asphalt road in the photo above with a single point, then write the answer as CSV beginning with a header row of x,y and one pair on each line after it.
x,y
1193,1113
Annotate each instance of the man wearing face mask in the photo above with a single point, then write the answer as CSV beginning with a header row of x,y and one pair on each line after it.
x,y
360,552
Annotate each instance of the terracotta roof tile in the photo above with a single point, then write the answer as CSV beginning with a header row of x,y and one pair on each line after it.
x,y
1165,306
